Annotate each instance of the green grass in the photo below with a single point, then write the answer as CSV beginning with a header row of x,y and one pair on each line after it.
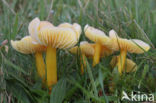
x,y
130,18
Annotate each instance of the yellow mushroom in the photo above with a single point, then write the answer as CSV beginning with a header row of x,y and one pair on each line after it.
x,y
100,40
26,46
130,66
88,50
124,46
54,37
105,51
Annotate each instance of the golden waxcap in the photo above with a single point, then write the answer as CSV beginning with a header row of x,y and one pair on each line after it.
x,y
132,45
85,47
89,48
104,50
130,66
26,46
76,27
35,26
96,35
57,37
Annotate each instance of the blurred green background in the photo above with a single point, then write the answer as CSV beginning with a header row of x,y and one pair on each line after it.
x,y
102,84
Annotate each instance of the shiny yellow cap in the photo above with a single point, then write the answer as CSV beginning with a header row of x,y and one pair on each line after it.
x,y
97,35
89,48
64,36
85,47
26,46
58,37
131,45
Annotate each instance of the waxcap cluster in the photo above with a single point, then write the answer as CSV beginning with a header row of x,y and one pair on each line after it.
x,y
46,37
106,45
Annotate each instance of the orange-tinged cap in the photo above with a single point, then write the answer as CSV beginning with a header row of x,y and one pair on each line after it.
x,y
131,45
130,66
97,35
26,46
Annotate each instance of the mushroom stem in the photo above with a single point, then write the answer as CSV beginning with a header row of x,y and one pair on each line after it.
x,y
40,65
96,57
51,66
121,60
83,63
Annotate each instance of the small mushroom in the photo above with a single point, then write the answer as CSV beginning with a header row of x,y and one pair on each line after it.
x,y
54,38
88,50
124,46
100,39
26,46
130,66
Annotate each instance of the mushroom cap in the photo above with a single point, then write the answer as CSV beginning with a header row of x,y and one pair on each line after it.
x,y
89,48
57,37
76,27
85,47
26,46
35,26
132,45
97,35
130,66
